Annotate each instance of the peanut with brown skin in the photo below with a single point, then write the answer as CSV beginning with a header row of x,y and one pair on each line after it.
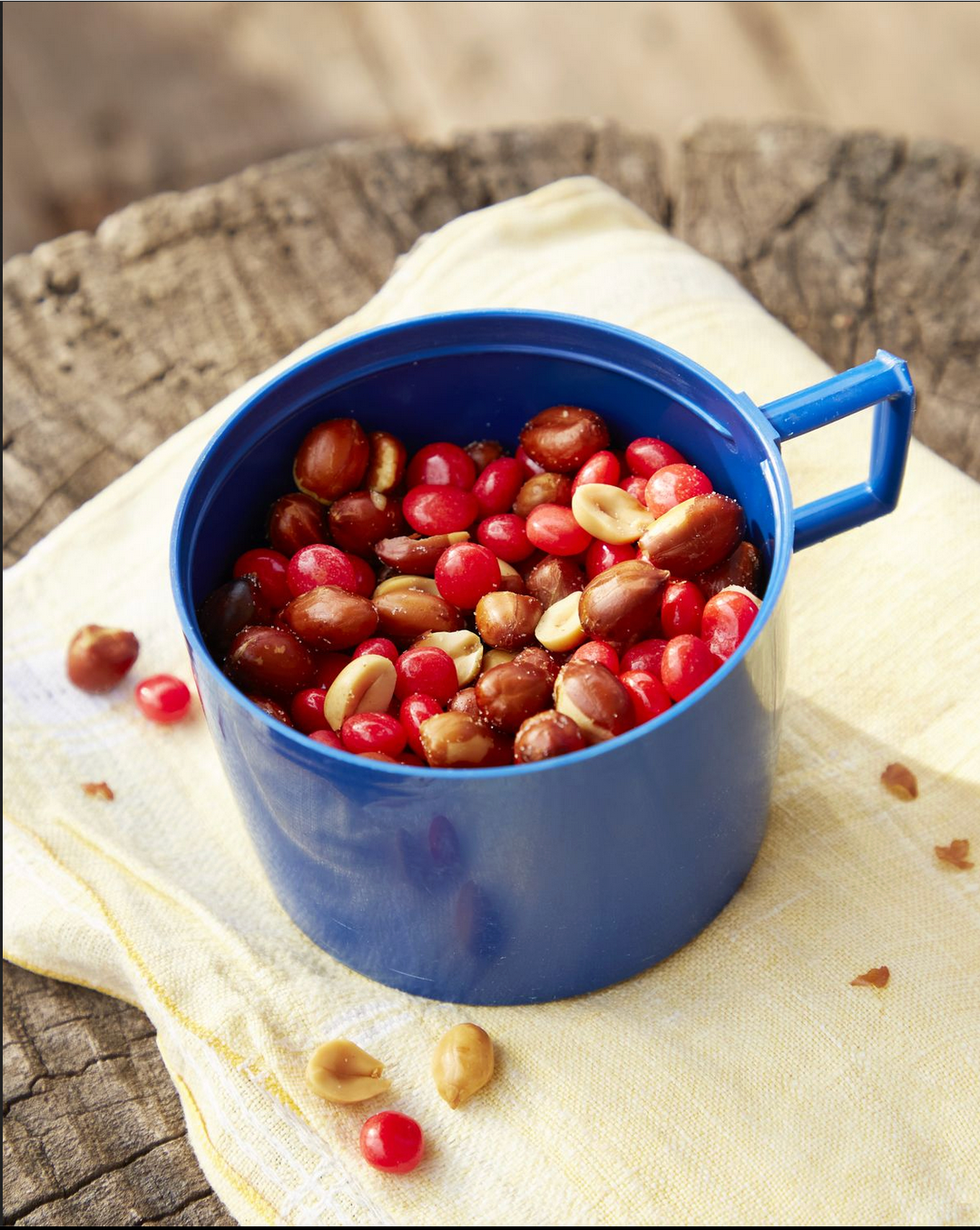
x,y
408,614
563,438
743,567
546,735
358,520
554,578
594,699
482,452
462,1063
388,458
412,554
331,460
328,617
511,580
622,604
694,535
542,660
465,702
507,621
296,521
454,740
511,693
99,658
341,1072
543,489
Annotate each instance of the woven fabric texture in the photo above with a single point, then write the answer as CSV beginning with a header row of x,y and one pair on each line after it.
x,y
743,1081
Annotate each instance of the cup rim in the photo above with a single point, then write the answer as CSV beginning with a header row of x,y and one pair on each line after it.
x,y
583,325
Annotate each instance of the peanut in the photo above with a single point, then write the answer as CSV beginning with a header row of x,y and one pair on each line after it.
x,y
454,740
329,617
511,693
609,513
622,604
563,438
554,578
694,535
387,464
594,699
511,580
331,460
416,555
365,685
358,520
505,620
560,628
546,735
462,1063
405,615
543,489
341,1072
403,581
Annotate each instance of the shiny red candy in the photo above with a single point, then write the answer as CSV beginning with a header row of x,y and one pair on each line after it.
x,y
553,528
373,732
598,651
637,487
392,1142
506,536
497,487
466,571
673,485
433,509
270,570
530,466
602,467
328,667
327,737
602,555
427,669
379,645
648,694
726,620
319,564
686,664
365,582
163,699
647,455
645,656
306,709
415,710
441,465
681,611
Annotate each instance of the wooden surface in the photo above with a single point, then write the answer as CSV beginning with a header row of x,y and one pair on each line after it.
x,y
106,103
113,341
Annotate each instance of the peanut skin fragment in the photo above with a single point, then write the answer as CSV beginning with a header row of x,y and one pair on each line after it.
x,y
901,781
877,977
957,853
462,1063
102,790
341,1072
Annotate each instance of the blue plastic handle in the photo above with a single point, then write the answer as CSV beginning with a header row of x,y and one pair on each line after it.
x,y
883,383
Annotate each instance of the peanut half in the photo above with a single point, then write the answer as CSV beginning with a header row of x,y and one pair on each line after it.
x,y
365,685
462,1063
395,585
609,513
341,1072
465,648
560,628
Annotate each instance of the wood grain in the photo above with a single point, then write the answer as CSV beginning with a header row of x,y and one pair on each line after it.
x,y
114,340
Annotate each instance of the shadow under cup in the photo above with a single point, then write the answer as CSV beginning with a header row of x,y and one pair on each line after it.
x,y
532,882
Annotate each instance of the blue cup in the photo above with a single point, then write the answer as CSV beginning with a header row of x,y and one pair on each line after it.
x,y
532,882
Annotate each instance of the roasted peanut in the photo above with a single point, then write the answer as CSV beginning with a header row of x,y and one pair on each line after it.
x,y
464,647
554,578
465,702
414,554
402,581
270,661
743,567
329,617
454,740
341,1072
694,536
563,438
387,462
358,520
546,735
511,581
542,660
99,658
462,1063
594,699
496,657
609,513
543,489
511,693
407,614
507,621
560,627
332,459
365,685
482,452
622,604
296,521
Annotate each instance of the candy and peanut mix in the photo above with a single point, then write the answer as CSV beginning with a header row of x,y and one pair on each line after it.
x,y
463,608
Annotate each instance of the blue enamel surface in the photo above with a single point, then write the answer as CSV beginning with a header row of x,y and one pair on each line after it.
x,y
533,882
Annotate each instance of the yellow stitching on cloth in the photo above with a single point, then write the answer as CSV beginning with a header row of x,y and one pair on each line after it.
x,y
269,1082
241,1186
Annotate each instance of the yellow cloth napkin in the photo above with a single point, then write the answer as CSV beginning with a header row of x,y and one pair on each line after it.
x,y
743,1081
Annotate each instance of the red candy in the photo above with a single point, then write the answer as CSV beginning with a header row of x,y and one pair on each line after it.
x,y
365,582
379,645
637,487
427,669
602,555
673,485
648,694
553,528
497,487
598,651
415,710
466,571
602,467
392,1142
506,536
373,732
529,465
645,656
726,620
320,565
270,570
327,737
328,667
441,465
163,699
306,709
686,664
647,455
431,509
683,604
